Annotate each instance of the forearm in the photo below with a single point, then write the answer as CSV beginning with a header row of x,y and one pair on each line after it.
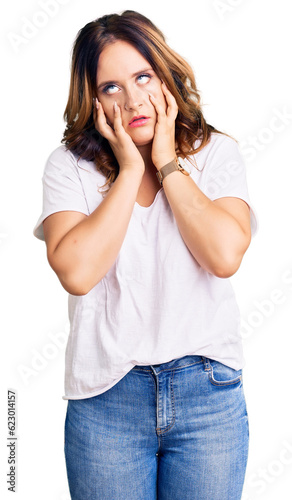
x,y
214,237
89,249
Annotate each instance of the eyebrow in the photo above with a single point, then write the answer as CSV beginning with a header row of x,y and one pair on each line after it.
x,y
112,82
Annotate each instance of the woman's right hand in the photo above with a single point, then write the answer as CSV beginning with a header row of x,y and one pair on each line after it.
x,y
123,147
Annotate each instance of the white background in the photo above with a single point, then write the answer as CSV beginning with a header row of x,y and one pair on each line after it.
x,y
241,54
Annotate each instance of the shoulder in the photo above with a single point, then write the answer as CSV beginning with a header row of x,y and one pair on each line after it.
x,y
60,158
64,162
221,142
220,148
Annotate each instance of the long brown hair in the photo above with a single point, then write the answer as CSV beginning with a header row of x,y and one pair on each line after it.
x,y
80,135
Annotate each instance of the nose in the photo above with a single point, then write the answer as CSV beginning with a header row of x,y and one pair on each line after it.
x,y
133,100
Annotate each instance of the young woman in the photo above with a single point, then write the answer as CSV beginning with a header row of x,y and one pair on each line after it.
x,y
146,214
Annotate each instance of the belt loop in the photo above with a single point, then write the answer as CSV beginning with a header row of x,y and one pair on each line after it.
x,y
207,365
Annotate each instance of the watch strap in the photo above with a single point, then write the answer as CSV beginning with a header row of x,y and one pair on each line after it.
x,y
170,167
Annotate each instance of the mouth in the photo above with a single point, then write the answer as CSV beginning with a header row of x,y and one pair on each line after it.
x,y
138,121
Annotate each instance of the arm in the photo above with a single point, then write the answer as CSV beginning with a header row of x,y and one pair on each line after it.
x,y
81,248
217,233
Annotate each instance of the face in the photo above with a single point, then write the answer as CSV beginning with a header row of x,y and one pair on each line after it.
x,y
125,77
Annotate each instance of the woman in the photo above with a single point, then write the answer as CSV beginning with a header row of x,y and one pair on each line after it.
x,y
146,213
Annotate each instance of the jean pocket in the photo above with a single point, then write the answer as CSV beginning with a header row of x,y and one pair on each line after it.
x,y
223,375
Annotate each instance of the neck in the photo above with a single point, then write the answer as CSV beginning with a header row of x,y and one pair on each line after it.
x,y
145,152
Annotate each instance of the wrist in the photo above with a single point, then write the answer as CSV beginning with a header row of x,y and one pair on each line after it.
x,y
160,164
174,165
134,172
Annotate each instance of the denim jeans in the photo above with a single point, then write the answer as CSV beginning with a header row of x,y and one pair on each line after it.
x,y
174,431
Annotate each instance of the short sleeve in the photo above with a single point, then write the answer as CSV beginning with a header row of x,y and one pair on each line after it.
x,y
226,174
62,188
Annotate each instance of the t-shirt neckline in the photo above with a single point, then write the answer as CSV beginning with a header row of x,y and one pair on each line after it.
x,y
152,204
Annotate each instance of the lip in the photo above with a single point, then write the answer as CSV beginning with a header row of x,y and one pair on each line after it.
x,y
138,121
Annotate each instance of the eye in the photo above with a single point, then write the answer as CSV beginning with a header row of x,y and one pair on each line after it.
x,y
110,89
144,78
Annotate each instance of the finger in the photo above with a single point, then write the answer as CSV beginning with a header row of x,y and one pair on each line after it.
x,y
118,126
95,105
167,94
101,124
158,107
172,107
97,112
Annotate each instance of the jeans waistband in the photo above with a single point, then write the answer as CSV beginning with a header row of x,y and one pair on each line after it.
x,y
172,365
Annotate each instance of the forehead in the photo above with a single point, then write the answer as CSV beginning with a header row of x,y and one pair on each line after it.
x,y
118,60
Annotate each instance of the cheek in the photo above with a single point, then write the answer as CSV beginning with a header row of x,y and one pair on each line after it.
x,y
108,111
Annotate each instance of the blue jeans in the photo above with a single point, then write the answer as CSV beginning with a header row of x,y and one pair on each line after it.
x,y
175,431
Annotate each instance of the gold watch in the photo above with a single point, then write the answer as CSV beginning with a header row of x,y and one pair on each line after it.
x,y
169,168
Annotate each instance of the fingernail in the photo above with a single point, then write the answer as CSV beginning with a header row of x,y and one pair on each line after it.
x,y
96,103
152,96
115,106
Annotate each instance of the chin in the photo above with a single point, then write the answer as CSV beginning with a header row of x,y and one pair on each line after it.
x,y
142,141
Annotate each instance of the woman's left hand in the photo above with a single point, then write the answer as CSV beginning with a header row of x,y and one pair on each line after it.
x,y
163,146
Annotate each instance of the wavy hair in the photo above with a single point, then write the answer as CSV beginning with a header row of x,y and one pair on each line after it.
x,y
80,135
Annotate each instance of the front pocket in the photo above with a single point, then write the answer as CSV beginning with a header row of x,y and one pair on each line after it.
x,y
222,375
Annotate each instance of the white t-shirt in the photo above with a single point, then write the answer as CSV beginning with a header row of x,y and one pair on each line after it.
x,y
156,303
